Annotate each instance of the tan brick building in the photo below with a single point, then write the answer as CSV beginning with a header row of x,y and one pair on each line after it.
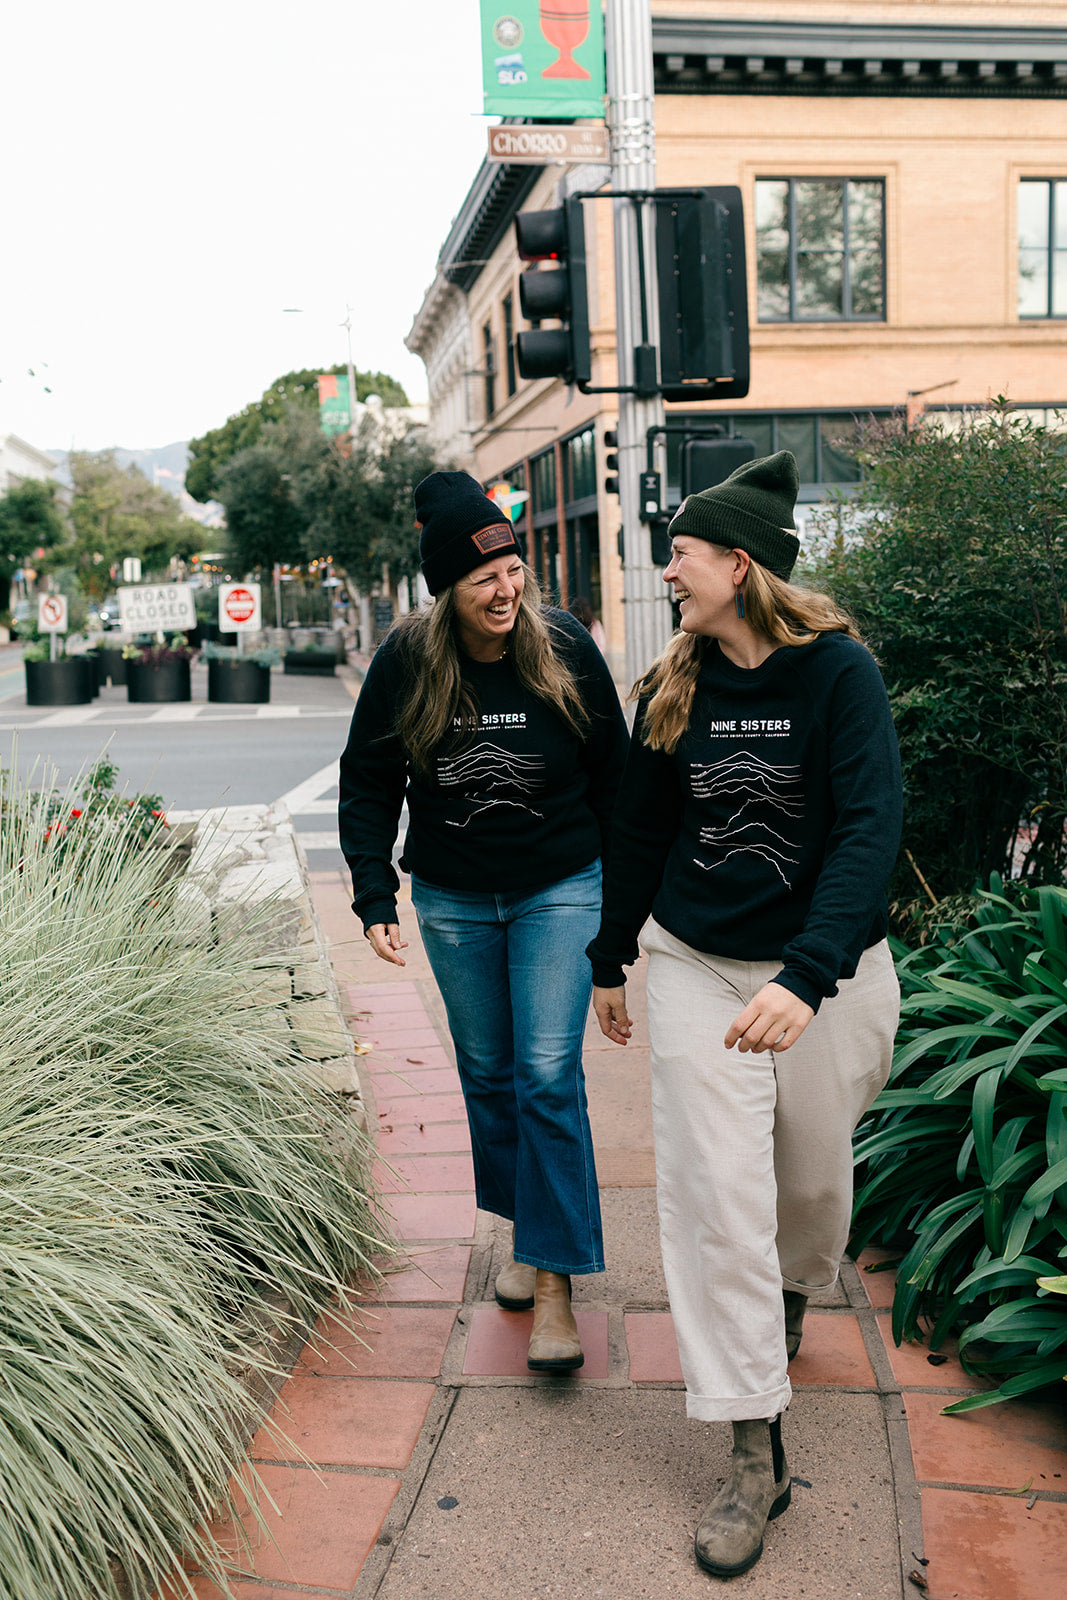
x,y
904,173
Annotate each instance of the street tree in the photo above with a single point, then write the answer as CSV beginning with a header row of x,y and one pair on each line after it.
x,y
115,512
209,454
263,491
30,520
953,558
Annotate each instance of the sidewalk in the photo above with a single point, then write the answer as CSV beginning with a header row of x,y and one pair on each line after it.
x,y
447,1471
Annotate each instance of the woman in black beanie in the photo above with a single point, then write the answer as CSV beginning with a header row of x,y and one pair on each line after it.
x,y
498,720
758,822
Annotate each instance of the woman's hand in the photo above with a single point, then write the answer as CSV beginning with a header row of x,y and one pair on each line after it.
x,y
610,1008
385,941
774,1020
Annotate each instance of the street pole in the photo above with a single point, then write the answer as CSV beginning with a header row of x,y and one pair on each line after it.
x,y
631,106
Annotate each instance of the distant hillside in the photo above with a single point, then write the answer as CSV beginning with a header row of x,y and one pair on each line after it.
x,y
165,467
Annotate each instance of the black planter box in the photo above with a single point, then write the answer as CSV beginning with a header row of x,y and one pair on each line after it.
x,y
244,683
322,662
168,682
67,682
111,666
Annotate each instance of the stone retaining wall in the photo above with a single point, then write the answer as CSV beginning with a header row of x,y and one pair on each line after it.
x,y
246,864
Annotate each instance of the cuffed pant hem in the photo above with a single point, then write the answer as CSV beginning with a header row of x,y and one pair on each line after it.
x,y
796,1287
557,1266
747,1408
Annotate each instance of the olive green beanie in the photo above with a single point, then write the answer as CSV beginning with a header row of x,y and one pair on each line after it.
x,y
751,510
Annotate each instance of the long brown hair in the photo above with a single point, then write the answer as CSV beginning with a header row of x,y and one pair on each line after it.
x,y
782,612
435,697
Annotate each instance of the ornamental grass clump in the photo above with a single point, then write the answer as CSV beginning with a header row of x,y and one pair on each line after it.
x,y
962,1161
168,1178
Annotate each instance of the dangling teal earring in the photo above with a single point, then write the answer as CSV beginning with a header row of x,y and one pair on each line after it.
x,y
739,602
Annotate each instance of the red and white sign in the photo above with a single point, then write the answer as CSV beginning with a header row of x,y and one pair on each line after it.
x,y
239,607
52,613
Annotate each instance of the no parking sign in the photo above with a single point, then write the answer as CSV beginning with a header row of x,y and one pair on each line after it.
x,y
239,608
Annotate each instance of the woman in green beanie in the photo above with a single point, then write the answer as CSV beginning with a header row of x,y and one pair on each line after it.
x,y
758,821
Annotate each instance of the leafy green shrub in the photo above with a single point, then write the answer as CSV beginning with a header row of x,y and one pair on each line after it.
x,y
261,656
963,1157
168,1178
952,555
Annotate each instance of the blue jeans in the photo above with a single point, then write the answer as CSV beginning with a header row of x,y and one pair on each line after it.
x,y
516,984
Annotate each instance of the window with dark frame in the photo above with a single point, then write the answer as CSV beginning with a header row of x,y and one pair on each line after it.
x,y
489,369
509,345
1042,225
820,249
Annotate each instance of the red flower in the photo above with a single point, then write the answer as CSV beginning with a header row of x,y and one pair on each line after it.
x,y
76,812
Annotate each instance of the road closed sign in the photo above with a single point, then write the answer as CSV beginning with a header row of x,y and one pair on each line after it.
x,y
157,608
239,608
52,613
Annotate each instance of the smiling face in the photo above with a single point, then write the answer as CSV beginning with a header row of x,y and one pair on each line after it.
x,y
706,578
487,604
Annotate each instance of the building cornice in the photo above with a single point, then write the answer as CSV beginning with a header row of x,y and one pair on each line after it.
x,y
712,55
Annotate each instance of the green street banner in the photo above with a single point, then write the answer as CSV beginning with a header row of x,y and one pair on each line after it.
x,y
335,414
543,58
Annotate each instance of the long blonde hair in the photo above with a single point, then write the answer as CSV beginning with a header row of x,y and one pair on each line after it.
x,y
781,612
435,698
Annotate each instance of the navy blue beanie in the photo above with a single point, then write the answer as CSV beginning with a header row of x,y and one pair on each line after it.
x,y
461,528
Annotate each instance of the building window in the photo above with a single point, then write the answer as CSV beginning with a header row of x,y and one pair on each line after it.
x,y
1043,247
489,369
579,455
820,249
543,473
509,344
825,444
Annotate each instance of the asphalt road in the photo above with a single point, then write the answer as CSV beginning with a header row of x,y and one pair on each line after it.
x,y
195,755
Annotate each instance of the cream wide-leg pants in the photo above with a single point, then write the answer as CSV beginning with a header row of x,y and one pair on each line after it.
x,y
753,1160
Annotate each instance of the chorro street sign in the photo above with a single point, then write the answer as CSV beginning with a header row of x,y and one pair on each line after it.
x,y
156,607
239,607
539,145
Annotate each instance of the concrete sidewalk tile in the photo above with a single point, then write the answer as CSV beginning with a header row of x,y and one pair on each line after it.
x,y
998,1447
419,1138
832,1352
913,1368
433,1108
498,1342
993,1547
878,1286
653,1347
321,1532
437,1216
350,1422
383,1342
403,1082
387,1026
434,1275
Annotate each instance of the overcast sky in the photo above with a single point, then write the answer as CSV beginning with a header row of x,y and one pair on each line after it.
x,y
176,175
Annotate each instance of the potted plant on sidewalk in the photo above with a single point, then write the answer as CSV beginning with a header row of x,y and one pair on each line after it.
x,y
159,672
311,658
57,680
236,677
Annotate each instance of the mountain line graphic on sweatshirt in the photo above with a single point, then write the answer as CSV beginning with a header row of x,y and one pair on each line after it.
x,y
757,787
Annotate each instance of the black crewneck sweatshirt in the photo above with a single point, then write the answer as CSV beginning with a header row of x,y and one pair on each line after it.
x,y
519,804
770,833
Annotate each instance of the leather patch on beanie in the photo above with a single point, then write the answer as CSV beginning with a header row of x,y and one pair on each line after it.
x,y
492,538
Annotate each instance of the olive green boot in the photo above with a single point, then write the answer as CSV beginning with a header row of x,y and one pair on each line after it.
x,y
795,1306
729,1539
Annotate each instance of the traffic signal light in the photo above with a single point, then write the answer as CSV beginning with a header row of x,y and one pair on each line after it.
x,y
558,294
703,296
706,462
611,461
